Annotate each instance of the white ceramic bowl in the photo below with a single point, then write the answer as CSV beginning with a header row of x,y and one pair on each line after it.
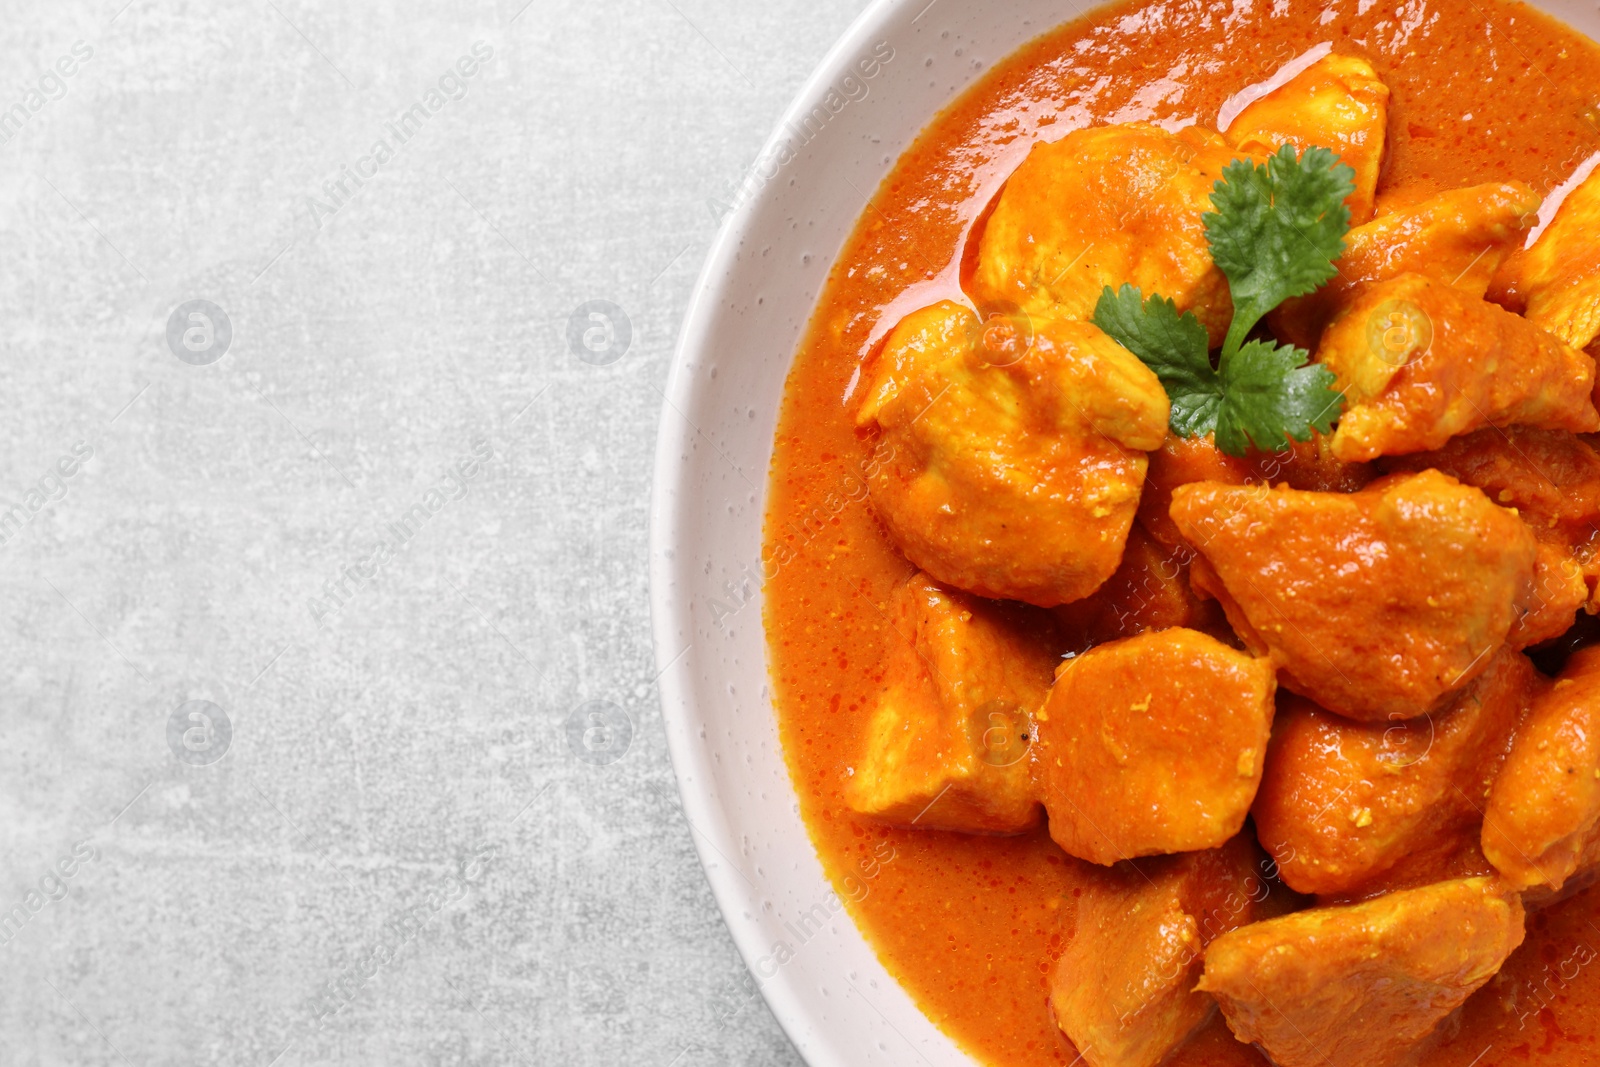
x,y
747,317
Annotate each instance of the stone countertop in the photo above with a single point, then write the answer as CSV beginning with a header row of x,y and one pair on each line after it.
x,y
334,337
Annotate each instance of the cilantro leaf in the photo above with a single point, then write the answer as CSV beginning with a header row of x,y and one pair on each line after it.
x,y
1263,397
1174,346
1277,229
1271,393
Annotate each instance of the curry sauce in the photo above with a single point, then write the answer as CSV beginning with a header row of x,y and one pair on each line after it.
x,y
972,925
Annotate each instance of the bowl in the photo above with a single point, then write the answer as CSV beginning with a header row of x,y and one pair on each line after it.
x,y
890,74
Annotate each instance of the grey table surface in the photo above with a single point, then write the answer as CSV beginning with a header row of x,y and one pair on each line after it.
x,y
310,589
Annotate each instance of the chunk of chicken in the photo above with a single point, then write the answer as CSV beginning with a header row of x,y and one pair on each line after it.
x,y
1149,591
1015,471
1459,238
1551,477
1337,103
1587,558
1361,985
1545,803
1123,989
1556,283
1420,362
1110,205
1458,856
1560,588
1181,461
1153,744
947,746
1311,465
1344,803
1308,464
1584,876
1378,605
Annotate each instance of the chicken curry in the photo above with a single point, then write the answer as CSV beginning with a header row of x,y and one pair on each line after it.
x,y
1182,562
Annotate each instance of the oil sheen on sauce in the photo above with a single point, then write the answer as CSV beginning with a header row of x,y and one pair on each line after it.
x,y
1482,90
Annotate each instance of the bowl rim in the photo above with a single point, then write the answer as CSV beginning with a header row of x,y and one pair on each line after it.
x,y
710,830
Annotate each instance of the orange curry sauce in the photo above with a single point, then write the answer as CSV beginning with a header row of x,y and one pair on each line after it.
x,y
1482,90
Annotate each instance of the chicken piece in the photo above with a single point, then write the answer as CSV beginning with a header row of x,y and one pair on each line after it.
x,y
1111,205
1560,588
1153,744
1586,556
1444,861
1337,103
1420,362
1551,477
1311,465
947,746
1584,876
1551,656
1180,461
1545,803
1459,238
1149,591
1123,989
1378,605
1361,985
1556,283
1014,474
1343,803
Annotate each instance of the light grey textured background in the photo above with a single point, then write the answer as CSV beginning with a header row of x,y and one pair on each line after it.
x,y
400,856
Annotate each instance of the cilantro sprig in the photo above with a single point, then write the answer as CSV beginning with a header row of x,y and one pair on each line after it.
x,y
1275,233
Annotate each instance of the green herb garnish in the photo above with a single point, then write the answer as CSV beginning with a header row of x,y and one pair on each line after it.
x,y
1275,233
